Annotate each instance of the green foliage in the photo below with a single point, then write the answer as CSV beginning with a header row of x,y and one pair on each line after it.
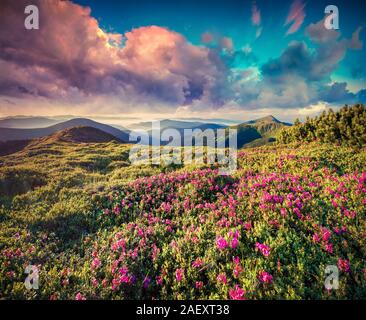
x,y
347,126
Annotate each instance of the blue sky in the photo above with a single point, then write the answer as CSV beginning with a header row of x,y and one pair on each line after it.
x,y
232,18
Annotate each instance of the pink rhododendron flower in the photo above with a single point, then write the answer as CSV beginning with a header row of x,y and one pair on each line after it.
x,y
237,293
222,278
115,284
179,274
247,226
329,247
95,263
316,238
221,243
94,282
265,277
234,243
325,234
264,249
344,265
197,263
79,296
199,284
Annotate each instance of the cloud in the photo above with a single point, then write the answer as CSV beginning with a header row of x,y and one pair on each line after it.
x,y
227,43
295,16
247,49
256,14
207,37
258,33
301,76
337,92
312,65
355,43
70,58
256,19
70,62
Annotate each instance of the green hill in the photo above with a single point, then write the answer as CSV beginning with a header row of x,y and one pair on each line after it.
x,y
258,132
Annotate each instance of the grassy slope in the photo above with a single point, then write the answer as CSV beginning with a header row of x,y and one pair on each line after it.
x,y
52,196
258,133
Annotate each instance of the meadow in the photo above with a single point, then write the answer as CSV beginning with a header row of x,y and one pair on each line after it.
x,y
99,228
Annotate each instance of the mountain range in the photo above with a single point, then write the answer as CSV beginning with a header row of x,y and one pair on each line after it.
x,y
250,134
7,134
27,122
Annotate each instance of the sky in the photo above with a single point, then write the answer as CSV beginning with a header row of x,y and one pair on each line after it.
x,y
232,59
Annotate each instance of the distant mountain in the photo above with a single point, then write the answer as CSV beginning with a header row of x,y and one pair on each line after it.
x,y
224,122
80,134
7,134
176,124
255,132
269,118
258,132
22,122
73,135
180,126
267,126
251,133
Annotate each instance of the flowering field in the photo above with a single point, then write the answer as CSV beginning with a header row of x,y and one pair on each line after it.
x,y
267,232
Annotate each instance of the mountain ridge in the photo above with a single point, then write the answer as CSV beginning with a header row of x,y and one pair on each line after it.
x,y
7,134
262,130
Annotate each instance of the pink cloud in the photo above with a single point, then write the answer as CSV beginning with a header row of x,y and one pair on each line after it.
x,y
207,37
256,15
70,57
227,43
355,43
296,15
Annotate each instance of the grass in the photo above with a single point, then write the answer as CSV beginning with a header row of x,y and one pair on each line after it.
x,y
52,198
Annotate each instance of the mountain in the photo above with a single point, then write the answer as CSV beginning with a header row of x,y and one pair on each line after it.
x,y
72,135
22,122
176,124
262,131
268,118
80,135
258,132
224,122
7,134
180,126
